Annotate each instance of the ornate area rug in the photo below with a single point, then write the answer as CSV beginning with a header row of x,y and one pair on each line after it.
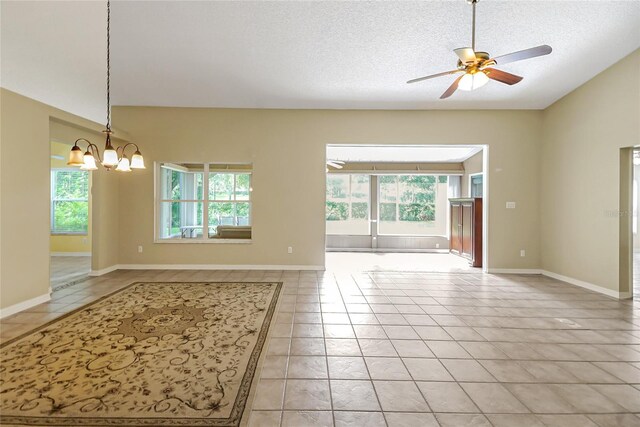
x,y
149,354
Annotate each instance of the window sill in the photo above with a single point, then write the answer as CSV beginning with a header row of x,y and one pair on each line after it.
x,y
69,234
205,241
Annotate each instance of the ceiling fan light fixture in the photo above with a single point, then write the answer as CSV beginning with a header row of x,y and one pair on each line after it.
x,y
473,81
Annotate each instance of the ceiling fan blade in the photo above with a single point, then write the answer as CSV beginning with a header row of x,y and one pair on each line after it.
x,y
447,93
446,73
502,76
523,54
466,54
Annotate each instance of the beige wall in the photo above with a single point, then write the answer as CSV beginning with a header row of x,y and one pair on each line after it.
x,y
471,166
580,174
25,196
287,149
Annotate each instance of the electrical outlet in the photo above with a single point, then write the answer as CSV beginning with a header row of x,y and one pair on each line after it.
x,y
437,245
140,249
290,249
511,205
522,253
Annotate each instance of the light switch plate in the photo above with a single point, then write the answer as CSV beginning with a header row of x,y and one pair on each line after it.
x,y
511,205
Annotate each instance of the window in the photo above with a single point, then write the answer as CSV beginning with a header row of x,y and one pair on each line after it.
x,y
407,204
347,209
69,201
475,185
185,189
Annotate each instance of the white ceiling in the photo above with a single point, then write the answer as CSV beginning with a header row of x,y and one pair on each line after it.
x,y
402,153
302,54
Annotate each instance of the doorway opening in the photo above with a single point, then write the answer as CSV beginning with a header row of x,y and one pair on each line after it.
x,y
391,207
70,219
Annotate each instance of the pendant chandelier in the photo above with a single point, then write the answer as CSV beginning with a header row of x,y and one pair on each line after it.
x,y
113,157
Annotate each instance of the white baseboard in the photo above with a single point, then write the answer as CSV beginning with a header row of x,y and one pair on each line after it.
x,y
587,285
218,267
24,305
514,271
94,273
70,253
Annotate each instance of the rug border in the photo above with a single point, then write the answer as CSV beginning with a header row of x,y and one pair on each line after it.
x,y
236,417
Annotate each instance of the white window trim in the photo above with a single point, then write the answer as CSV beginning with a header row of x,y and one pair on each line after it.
x,y
204,239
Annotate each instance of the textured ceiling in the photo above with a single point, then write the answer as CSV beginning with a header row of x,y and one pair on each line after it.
x,y
303,54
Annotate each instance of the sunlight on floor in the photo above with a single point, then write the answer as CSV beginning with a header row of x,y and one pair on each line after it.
x,y
367,261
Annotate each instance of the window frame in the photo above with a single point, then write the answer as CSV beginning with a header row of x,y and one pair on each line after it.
x,y
471,176
206,173
53,200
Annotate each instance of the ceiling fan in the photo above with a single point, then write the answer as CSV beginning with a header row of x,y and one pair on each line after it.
x,y
477,66
337,164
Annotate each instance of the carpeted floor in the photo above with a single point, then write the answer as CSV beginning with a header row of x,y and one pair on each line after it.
x,y
148,354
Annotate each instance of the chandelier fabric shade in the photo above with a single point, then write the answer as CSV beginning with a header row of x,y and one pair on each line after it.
x,y
112,157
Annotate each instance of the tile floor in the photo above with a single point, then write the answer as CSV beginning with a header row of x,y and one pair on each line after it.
x,y
425,349
64,269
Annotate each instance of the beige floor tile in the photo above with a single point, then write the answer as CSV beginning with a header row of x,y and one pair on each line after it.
x,y
269,395
382,348
541,399
338,331
448,350
265,418
353,395
312,367
274,367
412,348
588,373
400,419
566,421
307,347
369,332
307,395
400,332
623,370
511,420
507,371
278,346
342,347
347,368
307,419
493,398
586,399
467,370
463,420
616,420
400,396
359,419
624,395
387,368
432,333
427,369
447,397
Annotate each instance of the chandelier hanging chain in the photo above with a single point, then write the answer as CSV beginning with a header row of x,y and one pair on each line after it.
x,y
108,66
112,157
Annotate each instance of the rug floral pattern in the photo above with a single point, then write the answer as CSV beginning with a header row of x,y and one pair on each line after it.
x,y
149,354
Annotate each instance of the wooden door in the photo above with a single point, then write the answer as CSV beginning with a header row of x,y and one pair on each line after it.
x,y
456,228
467,229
